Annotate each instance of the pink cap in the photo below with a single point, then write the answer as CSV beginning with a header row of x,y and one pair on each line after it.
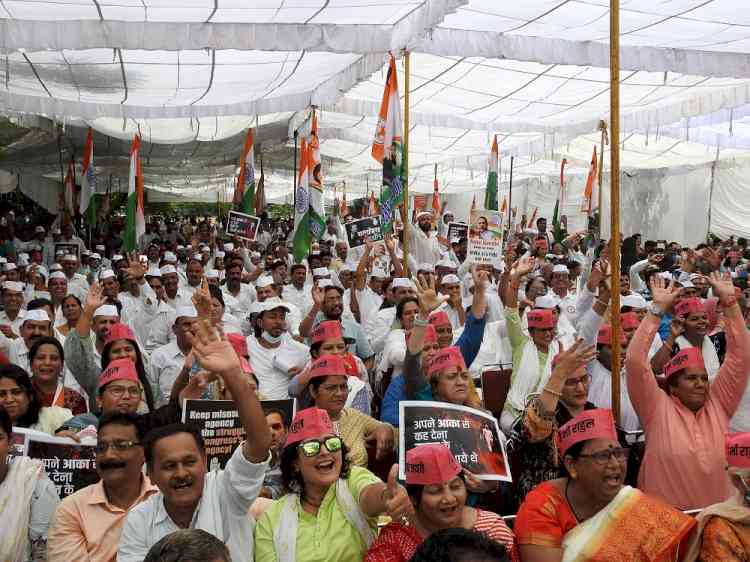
x,y
430,464
445,358
239,343
629,320
605,335
589,424
688,306
430,334
119,369
540,318
328,365
328,330
120,331
439,318
309,424
685,358
737,447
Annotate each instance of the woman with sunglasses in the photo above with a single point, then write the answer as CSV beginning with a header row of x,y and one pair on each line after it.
x,y
437,489
590,515
331,510
564,396
329,388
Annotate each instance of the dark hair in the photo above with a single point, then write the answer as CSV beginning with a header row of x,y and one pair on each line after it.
x,y
234,263
5,422
292,479
415,490
35,304
530,282
139,368
188,545
122,418
70,297
22,379
402,304
164,431
42,341
216,294
297,266
459,545
278,412
574,451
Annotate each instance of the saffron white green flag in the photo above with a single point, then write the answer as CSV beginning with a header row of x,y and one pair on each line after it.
x,y
89,200
302,237
317,212
490,193
135,225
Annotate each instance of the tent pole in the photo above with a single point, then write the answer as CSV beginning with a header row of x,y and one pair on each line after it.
x,y
294,181
510,194
614,198
405,207
600,179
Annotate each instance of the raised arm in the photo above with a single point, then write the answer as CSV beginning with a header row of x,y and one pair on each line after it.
x,y
306,326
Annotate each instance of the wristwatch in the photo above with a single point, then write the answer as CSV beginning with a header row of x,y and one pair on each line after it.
x,y
654,309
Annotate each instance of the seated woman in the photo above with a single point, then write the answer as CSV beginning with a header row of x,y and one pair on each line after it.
x,y
28,500
47,363
331,510
71,310
564,396
723,529
684,459
219,317
22,404
329,389
590,515
394,351
328,339
436,487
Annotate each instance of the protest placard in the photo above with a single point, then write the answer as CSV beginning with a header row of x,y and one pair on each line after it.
x,y
71,466
458,230
368,227
219,423
242,225
473,436
485,237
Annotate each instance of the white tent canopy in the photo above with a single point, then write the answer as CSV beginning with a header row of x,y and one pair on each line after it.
x,y
192,75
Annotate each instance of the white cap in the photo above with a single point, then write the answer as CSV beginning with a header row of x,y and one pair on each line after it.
x,y
10,266
154,271
167,269
69,257
212,274
106,274
39,229
321,272
42,295
15,286
55,267
665,275
57,274
560,268
379,273
402,282
186,312
23,260
687,285
180,247
324,283
117,257
451,279
264,281
445,262
85,253
633,301
255,255
169,256
266,306
95,256
426,267
37,315
106,310
228,247
423,214
545,301
189,247
99,248
57,253
219,254
197,257
349,267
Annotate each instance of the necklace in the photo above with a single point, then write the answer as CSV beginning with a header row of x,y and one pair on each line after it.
x,y
570,503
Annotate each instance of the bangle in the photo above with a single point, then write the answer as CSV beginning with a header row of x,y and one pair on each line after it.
x,y
552,392
421,323
601,302
728,302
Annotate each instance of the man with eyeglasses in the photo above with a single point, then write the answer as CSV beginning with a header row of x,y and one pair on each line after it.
x,y
87,525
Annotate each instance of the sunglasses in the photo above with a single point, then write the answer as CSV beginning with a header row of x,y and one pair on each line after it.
x,y
312,448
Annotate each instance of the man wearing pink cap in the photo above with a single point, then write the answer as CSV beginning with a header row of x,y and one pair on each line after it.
x,y
332,512
590,515
436,487
684,458
723,529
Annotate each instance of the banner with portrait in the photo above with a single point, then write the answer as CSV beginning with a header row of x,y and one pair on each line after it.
x,y
485,237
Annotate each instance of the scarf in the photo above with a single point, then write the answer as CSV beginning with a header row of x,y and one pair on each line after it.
x,y
15,507
710,357
733,509
527,379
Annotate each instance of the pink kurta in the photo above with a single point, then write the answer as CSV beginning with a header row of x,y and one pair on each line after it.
x,y
684,460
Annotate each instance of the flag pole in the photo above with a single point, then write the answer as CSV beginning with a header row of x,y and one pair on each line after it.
x,y
510,193
614,198
405,207
600,179
294,181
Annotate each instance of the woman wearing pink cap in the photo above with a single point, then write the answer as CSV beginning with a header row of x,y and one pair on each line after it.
x,y
437,489
331,510
590,515
684,458
723,529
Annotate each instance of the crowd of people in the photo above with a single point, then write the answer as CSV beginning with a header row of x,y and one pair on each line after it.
x,y
103,347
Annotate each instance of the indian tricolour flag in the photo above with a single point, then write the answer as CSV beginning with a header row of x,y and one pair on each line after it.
x,y
135,224
244,193
88,205
490,194
302,238
317,209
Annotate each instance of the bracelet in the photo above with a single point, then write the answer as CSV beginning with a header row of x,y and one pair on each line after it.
x,y
728,302
421,323
552,392
601,302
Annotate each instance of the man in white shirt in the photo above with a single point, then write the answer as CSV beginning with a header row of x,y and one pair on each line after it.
x,y
194,273
423,243
298,291
36,324
168,360
238,296
11,317
560,285
176,295
190,496
76,281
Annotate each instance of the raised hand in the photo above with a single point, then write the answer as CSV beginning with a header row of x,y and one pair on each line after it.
x,y
135,269
663,294
428,297
677,327
397,503
212,350
318,296
721,284
202,300
95,297
522,267
389,243
571,360
480,277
